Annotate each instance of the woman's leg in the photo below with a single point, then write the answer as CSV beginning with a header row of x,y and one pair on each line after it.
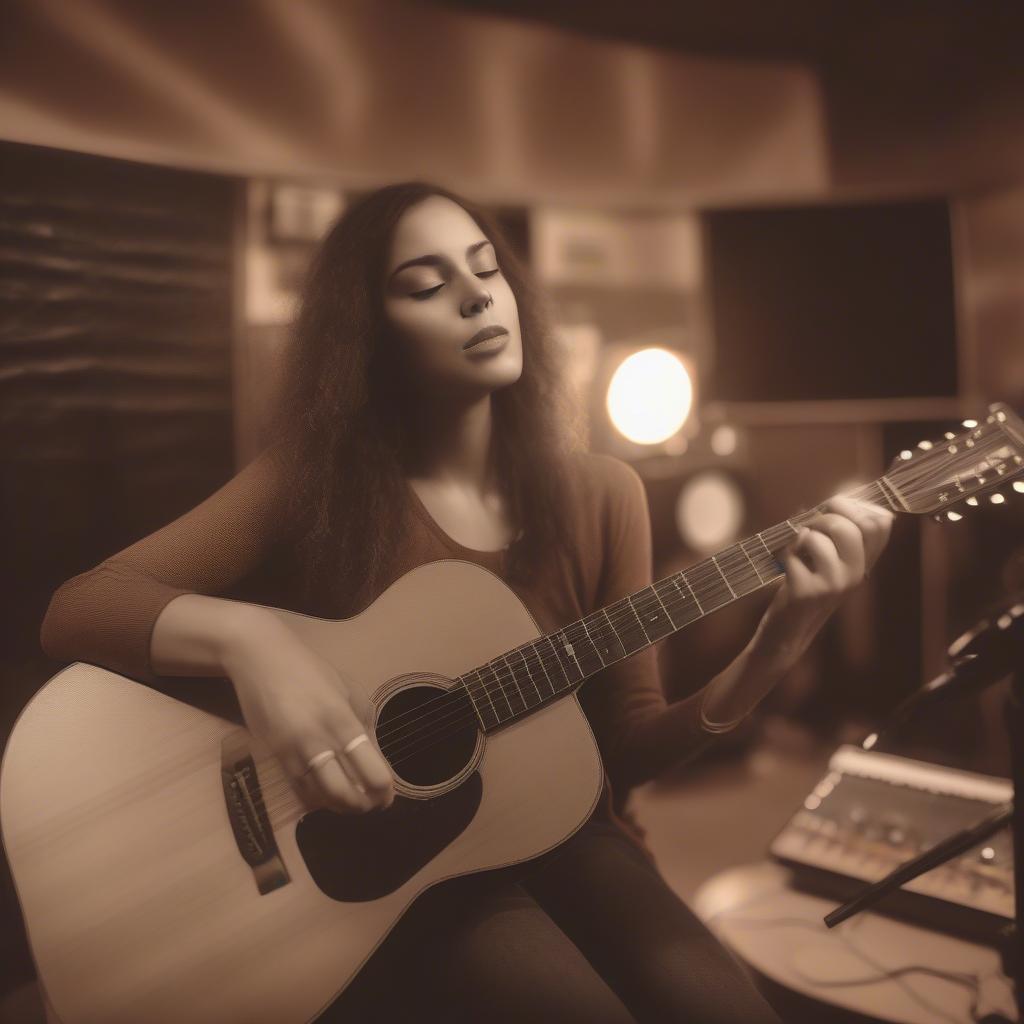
x,y
479,949
651,949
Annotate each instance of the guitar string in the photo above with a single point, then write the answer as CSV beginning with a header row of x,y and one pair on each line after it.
x,y
453,702
697,576
735,556
918,471
578,632
907,479
456,704
458,713
532,660
471,718
461,720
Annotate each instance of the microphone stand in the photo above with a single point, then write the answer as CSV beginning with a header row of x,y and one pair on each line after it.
x,y
982,656
1013,957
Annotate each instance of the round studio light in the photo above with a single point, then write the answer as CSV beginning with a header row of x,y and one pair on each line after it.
x,y
710,510
649,396
724,440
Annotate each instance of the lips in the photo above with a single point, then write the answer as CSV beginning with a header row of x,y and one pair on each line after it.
x,y
483,335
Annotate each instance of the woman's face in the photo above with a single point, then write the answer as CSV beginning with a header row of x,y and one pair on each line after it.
x,y
452,310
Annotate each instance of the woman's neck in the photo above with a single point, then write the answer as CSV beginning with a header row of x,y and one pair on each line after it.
x,y
453,445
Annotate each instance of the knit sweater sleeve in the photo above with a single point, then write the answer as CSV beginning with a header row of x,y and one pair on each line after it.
x,y
106,615
626,702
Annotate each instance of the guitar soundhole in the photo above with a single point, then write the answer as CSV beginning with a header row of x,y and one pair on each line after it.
x,y
427,733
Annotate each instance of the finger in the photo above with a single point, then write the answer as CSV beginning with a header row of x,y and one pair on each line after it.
x,y
861,512
328,782
874,522
368,767
359,755
818,553
799,578
848,540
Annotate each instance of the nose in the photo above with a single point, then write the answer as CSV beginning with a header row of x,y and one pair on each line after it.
x,y
477,300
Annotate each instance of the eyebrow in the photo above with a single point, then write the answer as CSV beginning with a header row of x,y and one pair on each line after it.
x,y
435,260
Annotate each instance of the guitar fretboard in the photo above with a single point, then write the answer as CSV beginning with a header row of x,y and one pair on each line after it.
x,y
517,682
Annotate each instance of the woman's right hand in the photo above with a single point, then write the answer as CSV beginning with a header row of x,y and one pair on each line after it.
x,y
297,703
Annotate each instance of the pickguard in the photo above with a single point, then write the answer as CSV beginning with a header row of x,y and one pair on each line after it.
x,y
353,858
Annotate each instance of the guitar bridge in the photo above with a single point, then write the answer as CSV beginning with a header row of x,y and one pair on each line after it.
x,y
243,799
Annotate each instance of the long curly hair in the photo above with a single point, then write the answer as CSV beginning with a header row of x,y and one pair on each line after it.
x,y
344,417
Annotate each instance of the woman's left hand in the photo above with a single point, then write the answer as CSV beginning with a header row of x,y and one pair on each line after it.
x,y
830,556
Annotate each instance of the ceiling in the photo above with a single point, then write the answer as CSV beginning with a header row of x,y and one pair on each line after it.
x,y
910,87
817,32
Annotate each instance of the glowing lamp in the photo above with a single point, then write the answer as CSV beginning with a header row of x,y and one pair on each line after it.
x,y
724,440
710,510
649,396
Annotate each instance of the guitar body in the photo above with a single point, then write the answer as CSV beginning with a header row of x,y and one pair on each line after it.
x,y
139,900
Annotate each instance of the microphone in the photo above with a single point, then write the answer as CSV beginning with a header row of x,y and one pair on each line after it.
x,y
983,655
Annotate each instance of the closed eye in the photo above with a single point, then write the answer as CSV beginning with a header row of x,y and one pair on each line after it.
x,y
427,292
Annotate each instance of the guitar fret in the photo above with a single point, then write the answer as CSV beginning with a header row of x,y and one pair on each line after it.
x,y
543,667
617,650
571,652
692,594
518,690
592,644
530,675
751,561
722,574
472,701
692,597
765,546
559,662
479,710
672,621
745,577
638,619
501,688
490,700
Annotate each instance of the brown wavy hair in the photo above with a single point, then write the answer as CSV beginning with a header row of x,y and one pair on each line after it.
x,y
344,418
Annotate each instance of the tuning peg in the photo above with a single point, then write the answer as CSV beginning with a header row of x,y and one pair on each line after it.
x,y
925,446
906,454
972,500
1018,486
953,517
997,498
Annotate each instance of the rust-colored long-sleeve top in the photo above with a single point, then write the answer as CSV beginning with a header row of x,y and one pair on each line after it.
x,y
106,615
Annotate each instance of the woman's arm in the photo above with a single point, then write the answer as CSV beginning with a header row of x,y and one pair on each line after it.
x,y
107,615
642,735
829,557
150,610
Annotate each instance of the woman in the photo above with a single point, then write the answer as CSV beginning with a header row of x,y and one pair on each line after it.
x,y
421,421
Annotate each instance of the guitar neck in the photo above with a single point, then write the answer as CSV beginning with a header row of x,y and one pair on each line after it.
x,y
519,681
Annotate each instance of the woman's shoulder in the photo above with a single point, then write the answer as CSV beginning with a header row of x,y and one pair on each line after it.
x,y
604,479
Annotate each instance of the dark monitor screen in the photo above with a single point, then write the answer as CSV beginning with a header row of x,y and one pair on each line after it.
x,y
832,302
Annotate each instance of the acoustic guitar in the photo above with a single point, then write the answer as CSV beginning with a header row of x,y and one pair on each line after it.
x,y
169,872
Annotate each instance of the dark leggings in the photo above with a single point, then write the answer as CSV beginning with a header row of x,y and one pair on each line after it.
x,y
589,933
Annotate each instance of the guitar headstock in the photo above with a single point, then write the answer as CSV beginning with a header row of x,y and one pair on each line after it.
x,y
959,467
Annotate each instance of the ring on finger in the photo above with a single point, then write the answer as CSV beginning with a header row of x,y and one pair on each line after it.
x,y
318,759
355,742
